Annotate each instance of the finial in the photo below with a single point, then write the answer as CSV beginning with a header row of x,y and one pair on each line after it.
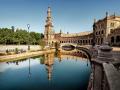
x,y
106,14
60,31
49,9
94,20
114,14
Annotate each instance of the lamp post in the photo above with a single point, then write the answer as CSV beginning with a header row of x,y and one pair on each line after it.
x,y
28,26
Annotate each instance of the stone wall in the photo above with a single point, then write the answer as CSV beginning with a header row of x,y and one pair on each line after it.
x,y
3,48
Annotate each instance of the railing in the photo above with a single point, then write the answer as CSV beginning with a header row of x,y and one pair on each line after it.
x,y
105,70
112,77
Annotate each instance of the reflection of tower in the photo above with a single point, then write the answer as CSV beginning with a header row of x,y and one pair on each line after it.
x,y
49,61
49,71
29,74
59,56
49,33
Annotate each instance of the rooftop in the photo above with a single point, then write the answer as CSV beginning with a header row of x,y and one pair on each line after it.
x,y
76,34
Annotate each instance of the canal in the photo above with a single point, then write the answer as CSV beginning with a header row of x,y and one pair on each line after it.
x,y
51,71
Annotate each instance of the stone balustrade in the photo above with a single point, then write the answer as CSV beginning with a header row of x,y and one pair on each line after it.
x,y
105,73
112,77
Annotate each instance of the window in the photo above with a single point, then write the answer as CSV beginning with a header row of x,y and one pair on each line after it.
x,y
99,32
101,40
118,39
112,39
96,33
112,25
102,32
111,30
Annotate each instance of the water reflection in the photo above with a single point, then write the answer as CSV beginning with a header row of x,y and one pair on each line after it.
x,y
63,70
16,62
48,60
29,74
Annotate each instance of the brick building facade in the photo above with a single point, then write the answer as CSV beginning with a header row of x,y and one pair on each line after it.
x,y
103,30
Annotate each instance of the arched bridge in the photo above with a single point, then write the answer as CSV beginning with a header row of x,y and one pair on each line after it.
x,y
85,48
75,45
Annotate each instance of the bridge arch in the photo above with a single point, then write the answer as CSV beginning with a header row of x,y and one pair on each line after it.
x,y
85,48
87,51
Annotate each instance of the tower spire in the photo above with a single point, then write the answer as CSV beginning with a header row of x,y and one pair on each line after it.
x,y
49,12
49,17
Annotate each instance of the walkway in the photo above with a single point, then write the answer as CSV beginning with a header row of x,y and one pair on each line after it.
x,y
116,53
23,55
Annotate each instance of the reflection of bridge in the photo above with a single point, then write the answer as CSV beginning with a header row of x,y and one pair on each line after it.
x,y
76,53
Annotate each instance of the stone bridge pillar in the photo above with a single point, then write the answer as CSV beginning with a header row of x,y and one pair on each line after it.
x,y
97,76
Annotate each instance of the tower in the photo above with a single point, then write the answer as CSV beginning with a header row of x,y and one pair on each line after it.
x,y
49,34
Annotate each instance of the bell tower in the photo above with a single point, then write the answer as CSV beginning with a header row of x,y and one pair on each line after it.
x,y
49,34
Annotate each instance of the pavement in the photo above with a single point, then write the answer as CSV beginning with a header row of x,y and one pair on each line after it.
x,y
116,53
23,55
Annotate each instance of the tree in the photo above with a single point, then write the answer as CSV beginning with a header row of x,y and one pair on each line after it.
x,y
21,36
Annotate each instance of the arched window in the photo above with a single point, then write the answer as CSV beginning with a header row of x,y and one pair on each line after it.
x,y
98,41
92,41
112,39
101,40
89,41
83,42
96,33
102,31
117,38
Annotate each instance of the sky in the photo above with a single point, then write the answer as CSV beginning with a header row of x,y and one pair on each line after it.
x,y
71,16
